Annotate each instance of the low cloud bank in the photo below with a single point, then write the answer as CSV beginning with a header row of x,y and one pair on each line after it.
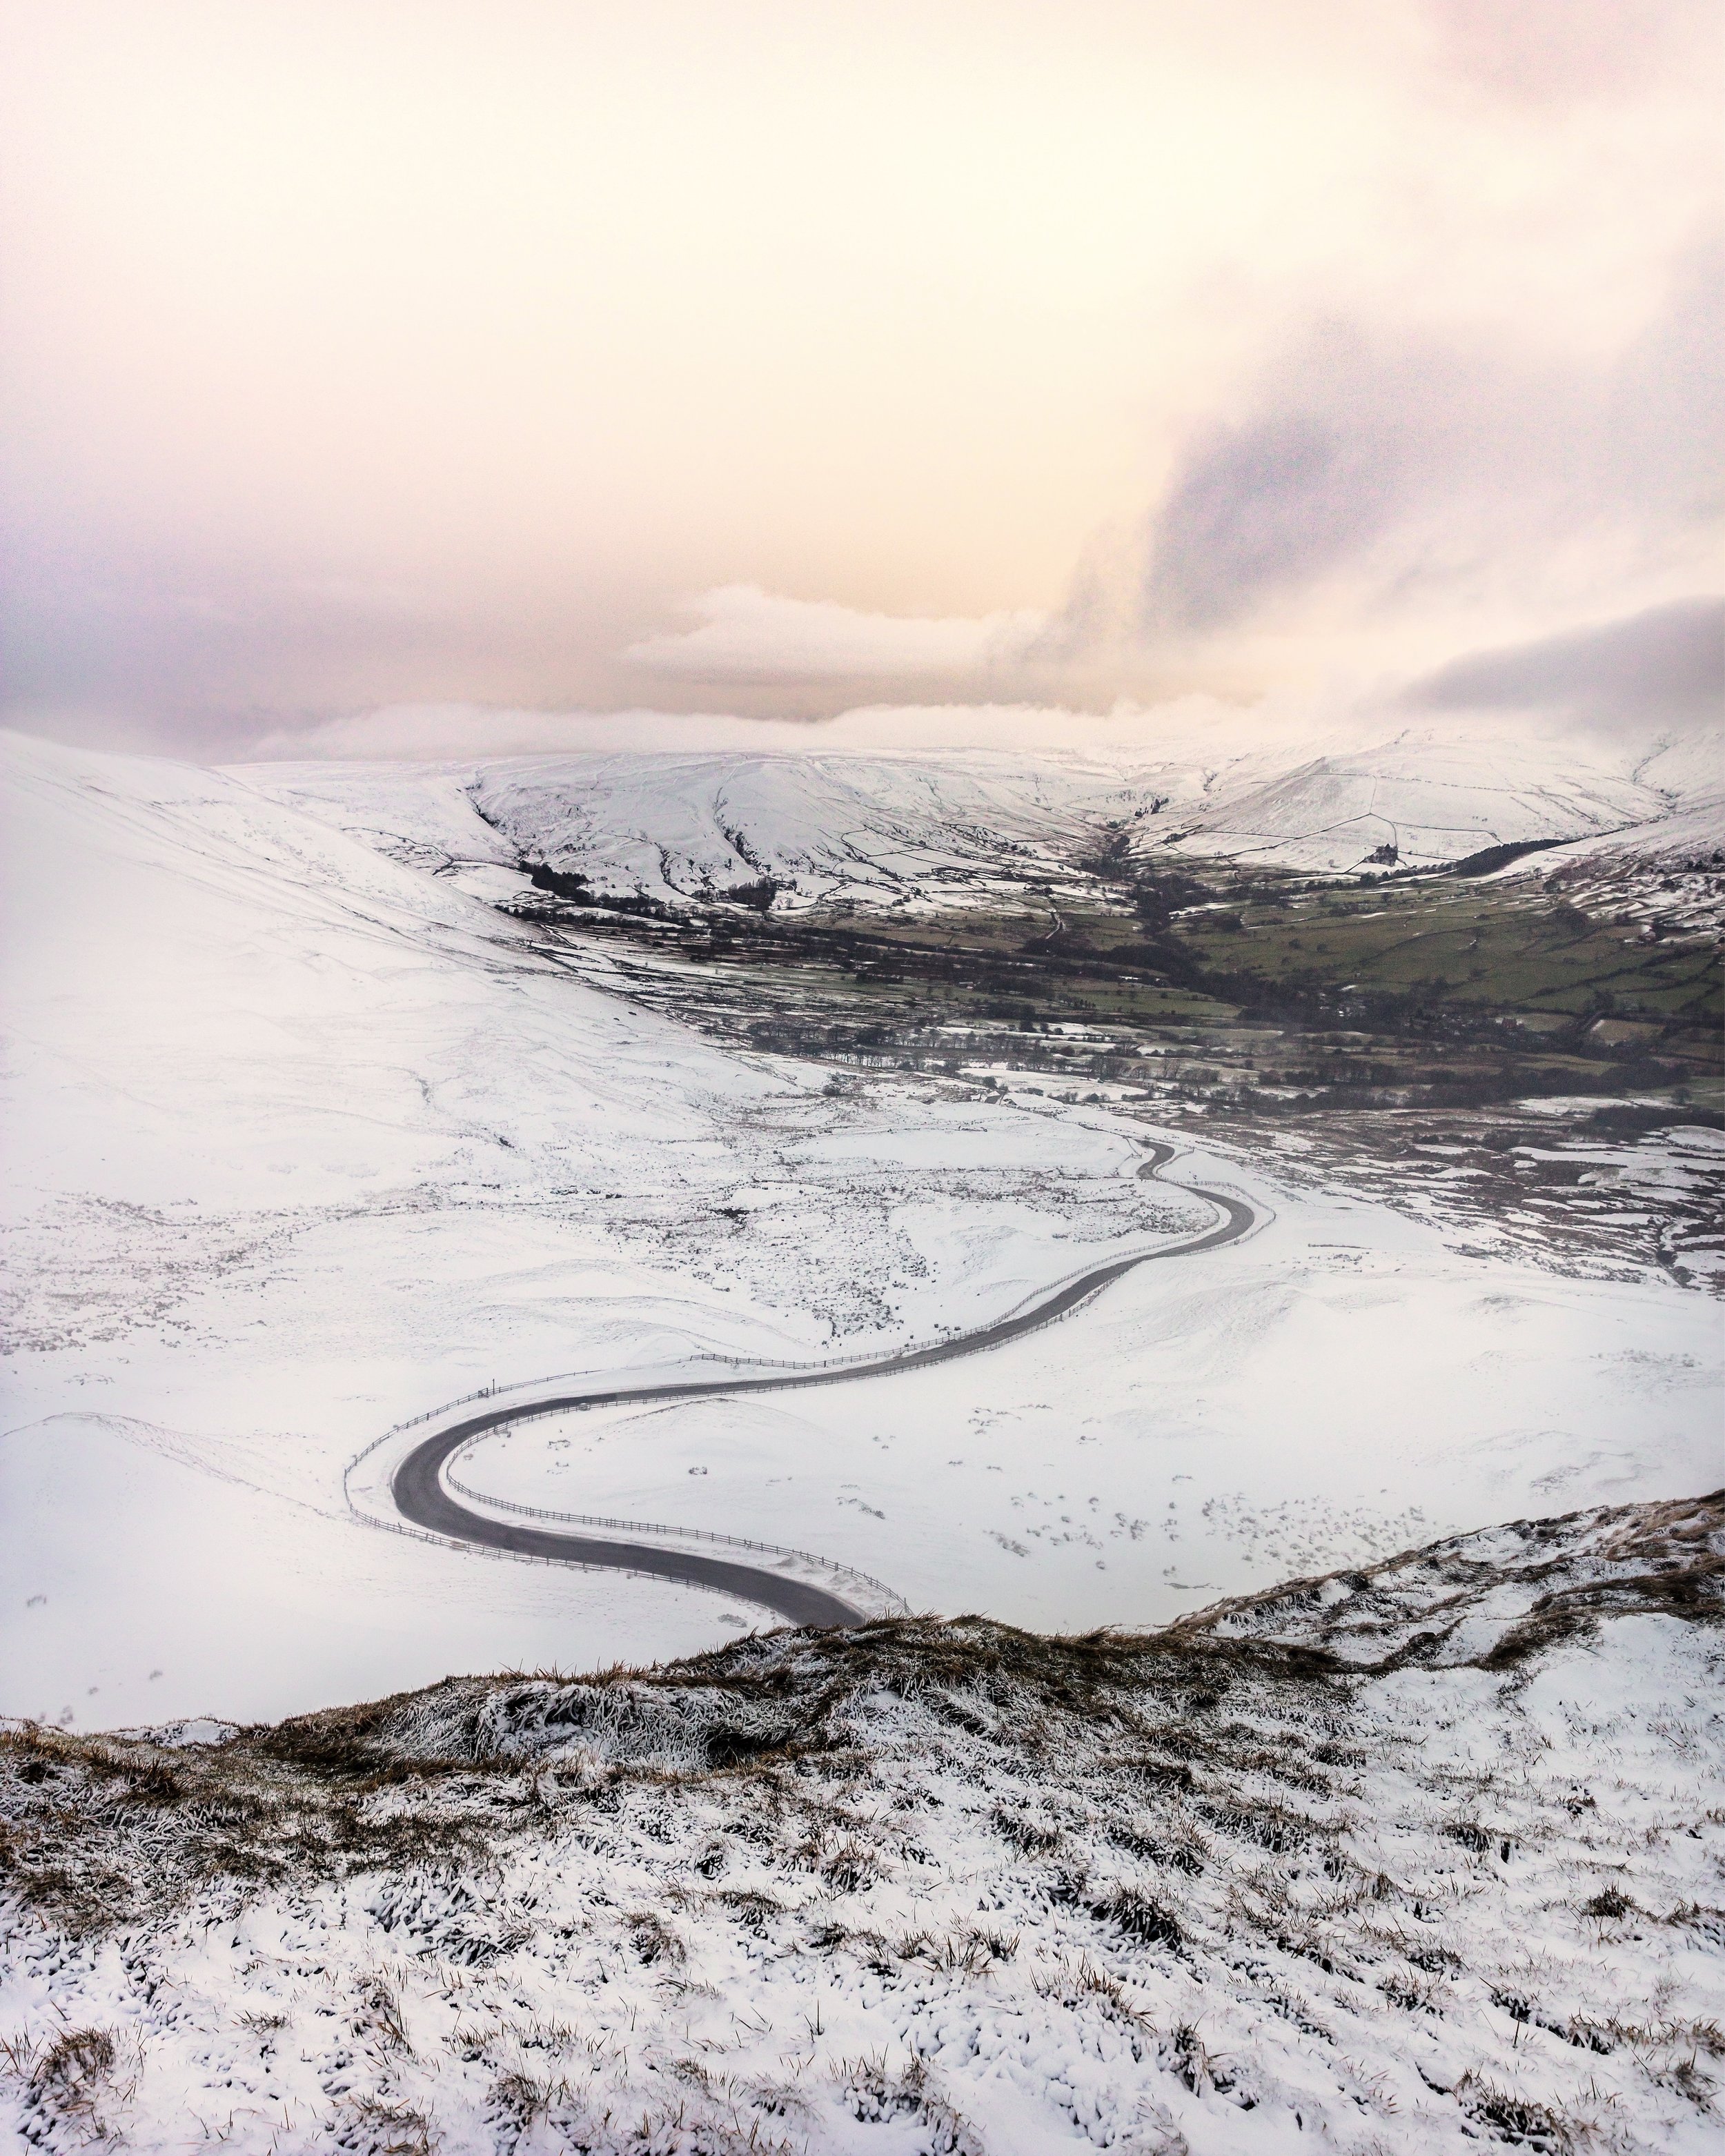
x,y
1664,666
1415,474
456,732
1638,679
748,635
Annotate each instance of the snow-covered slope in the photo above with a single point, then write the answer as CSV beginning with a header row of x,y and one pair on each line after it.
x,y
826,827
1418,802
1671,871
870,830
1421,1859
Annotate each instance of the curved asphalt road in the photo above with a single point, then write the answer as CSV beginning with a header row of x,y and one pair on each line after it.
x,y
421,1497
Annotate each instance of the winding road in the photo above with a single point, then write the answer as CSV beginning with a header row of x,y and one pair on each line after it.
x,y
422,1496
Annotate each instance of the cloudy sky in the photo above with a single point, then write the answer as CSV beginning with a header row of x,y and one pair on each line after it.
x,y
771,357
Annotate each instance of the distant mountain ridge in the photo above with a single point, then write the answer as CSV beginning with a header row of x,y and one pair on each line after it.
x,y
885,828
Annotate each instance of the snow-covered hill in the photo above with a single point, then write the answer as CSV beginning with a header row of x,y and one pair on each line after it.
x,y
942,828
1420,1858
1419,802
1670,872
871,829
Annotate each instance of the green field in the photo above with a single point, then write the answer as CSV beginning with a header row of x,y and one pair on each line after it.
x,y
1466,947
1225,983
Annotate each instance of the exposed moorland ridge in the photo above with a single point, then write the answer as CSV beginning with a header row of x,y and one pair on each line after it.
x,y
1340,1858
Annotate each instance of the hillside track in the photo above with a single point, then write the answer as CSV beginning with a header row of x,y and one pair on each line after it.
x,y
422,1496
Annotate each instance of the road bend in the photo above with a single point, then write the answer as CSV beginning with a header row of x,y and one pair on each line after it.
x,y
422,1496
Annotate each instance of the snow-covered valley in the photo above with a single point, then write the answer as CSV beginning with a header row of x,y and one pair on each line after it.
x,y
305,1142
315,1128
308,1140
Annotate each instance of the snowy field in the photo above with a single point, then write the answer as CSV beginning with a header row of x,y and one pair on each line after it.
x,y
1338,1388
306,1139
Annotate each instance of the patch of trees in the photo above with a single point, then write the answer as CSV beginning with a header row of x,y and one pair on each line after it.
x,y
1630,1121
760,893
561,883
575,889
1159,894
1489,858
